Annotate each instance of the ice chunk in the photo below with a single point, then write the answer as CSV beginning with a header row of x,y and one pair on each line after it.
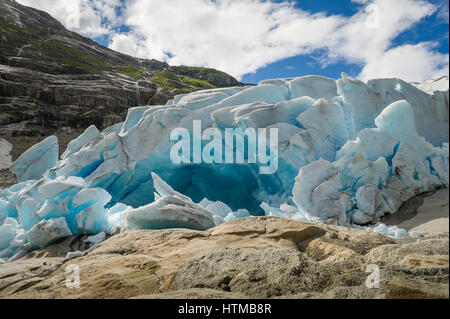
x,y
400,166
272,211
117,218
364,102
182,99
133,117
75,145
201,99
89,210
398,120
32,164
267,93
48,232
431,86
58,195
3,212
170,211
316,191
285,211
370,143
95,240
241,213
164,189
116,128
260,115
392,231
12,239
217,208
218,220
325,122
99,156
313,86
82,207
92,242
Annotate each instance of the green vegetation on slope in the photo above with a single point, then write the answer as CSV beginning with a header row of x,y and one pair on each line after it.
x,y
166,79
192,68
169,80
196,82
130,71
57,52
16,36
212,76
49,51
183,69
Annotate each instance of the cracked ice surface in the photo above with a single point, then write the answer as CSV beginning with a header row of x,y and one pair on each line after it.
x,y
349,152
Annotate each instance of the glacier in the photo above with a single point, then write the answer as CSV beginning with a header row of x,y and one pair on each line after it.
x,y
349,152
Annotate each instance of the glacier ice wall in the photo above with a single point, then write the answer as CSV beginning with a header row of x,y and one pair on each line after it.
x,y
349,152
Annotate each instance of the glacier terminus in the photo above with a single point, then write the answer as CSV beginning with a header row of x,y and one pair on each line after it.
x,y
347,153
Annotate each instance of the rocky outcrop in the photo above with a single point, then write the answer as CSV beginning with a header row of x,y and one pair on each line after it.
x,y
256,257
52,78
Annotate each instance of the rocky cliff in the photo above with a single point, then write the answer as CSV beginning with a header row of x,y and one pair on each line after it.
x,y
56,81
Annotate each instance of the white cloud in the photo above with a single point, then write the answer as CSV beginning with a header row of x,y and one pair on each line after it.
x,y
241,36
235,36
89,17
413,62
373,48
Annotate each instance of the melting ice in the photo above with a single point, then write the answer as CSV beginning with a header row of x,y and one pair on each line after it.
x,y
348,153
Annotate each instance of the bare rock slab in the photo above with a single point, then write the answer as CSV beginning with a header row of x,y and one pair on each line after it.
x,y
255,257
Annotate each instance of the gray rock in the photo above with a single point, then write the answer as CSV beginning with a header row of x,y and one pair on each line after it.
x,y
262,273
256,257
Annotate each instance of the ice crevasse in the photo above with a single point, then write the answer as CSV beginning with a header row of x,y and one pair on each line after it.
x,y
349,152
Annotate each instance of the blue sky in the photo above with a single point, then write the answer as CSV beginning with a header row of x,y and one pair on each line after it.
x,y
433,28
260,39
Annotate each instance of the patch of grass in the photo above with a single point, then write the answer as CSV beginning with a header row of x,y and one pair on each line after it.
x,y
169,80
6,26
16,35
211,76
196,82
197,69
166,76
54,51
130,71
193,68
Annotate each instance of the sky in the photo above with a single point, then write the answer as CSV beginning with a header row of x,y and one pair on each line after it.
x,y
255,40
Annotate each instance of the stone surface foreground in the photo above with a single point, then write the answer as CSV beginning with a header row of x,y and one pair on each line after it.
x,y
256,257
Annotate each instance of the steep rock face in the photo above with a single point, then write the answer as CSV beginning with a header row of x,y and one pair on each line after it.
x,y
52,78
256,257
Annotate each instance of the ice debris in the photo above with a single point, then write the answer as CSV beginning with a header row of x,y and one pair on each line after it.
x,y
92,242
47,232
171,211
391,231
349,152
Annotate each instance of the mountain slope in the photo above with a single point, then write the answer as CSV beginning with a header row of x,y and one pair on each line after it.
x,y
51,78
